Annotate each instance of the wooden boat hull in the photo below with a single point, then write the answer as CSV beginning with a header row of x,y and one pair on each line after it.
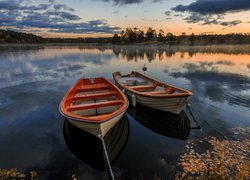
x,y
97,129
174,104
161,101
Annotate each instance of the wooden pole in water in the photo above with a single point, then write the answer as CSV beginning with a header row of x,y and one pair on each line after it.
x,y
110,171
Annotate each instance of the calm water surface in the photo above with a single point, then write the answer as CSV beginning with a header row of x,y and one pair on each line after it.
x,y
33,80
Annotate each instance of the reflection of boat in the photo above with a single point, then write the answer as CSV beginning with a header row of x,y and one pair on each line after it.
x,y
89,148
152,93
164,123
94,105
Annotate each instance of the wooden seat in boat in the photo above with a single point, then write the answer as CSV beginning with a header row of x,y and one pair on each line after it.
x,y
93,87
94,105
168,90
137,88
94,95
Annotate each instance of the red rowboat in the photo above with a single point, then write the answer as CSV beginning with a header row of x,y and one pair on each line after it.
x,y
94,105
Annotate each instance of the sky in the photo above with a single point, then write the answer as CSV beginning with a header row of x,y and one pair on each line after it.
x,y
99,18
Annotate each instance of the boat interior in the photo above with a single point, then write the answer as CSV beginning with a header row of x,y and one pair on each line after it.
x,y
140,83
93,98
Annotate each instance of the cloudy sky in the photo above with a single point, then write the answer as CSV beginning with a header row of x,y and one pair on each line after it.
x,y
81,18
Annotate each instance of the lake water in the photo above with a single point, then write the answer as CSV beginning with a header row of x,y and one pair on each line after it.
x,y
34,79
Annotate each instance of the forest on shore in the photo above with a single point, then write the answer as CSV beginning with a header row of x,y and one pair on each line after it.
x,y
132,36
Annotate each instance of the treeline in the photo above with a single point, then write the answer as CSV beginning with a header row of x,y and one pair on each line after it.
x,y
7,36
18,37
151,35
131,36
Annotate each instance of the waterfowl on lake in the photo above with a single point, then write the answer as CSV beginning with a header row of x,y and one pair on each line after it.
x,y
144,68
94,105
152,93
89,149
161,122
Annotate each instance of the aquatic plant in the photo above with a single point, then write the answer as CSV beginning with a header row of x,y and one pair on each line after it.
x,y
14,174
225,159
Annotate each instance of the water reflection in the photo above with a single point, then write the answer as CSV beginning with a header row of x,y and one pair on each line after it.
x,y
33,80
220,86
88,148
151,53
164,123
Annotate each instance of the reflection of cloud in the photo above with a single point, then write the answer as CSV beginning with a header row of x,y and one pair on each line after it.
x,y
219,86
228,63
200,73
248,66
14,100
46,64
32,135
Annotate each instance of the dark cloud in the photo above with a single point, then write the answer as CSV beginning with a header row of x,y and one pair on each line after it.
x,y
10,5
122,2
54,17
167,13
204,19
231,23
9,17
16,5
208,19
178,15
63,15
208,12
36,8
214,6
63,7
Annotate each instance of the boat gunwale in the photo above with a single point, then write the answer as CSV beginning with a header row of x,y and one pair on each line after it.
x,y
184,93
97,118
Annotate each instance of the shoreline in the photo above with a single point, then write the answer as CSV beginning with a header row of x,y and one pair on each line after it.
x,y
213,48
121,45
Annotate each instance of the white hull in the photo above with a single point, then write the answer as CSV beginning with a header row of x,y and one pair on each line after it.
x,y
173,104
97,128
169,104
149,92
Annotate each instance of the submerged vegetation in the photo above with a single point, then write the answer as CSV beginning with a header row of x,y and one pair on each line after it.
x,y
131,36
224,159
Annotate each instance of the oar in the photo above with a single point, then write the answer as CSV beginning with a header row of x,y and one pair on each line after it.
x,y
110,171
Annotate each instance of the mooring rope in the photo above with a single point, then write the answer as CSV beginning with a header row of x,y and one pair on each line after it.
x,y
191,114
111,174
